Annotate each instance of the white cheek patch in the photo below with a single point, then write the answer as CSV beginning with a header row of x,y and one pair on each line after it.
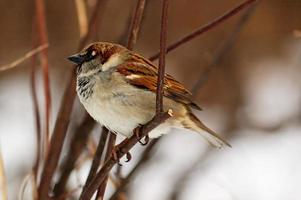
x,y
113,61
88,68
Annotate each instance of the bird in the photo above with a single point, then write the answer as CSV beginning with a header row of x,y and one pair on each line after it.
x,y
117,87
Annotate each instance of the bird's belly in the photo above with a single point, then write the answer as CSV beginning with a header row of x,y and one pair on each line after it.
x,y
119,113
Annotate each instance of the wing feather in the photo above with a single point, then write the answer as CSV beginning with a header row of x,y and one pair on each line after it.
x,y
143,74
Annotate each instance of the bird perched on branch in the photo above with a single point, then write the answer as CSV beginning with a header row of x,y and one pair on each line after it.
x,y
118,89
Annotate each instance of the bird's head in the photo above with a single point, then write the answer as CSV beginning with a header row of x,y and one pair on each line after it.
x,y
99,56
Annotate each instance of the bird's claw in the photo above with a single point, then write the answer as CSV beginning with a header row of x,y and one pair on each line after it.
x,y
128,157
137,132
116,150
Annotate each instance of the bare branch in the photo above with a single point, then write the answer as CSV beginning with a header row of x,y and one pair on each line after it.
x,y
205,28
42,32
161,70
77,145
110,146
98,154
23,58
135,25
37,118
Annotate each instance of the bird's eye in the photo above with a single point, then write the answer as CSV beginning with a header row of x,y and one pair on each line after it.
x,y
90,55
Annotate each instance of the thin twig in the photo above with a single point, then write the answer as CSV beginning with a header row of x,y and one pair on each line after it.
x,y
98,154
37,118
23,58
135,25
124,147
77,145
42,32
102,187
225,48
161,69
205,28
62,122
57,139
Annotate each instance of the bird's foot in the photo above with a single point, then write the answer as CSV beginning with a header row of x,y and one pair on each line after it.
x,y
118,151
137,132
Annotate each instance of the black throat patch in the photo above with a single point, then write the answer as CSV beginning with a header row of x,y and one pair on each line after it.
x,y
85,87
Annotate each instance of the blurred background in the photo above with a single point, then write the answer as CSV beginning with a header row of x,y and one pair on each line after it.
x,y
248,69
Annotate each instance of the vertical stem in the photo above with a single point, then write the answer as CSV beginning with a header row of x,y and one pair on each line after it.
x,y
77,144
36,108
161,70
37,118
42,30
97,156
57,139
135,25
102,187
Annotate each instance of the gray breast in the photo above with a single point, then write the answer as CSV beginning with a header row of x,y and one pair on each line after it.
x,y
85,87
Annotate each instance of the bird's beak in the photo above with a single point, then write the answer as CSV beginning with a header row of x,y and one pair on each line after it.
x,y
77,59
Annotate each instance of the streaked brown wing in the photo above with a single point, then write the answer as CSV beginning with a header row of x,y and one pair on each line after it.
x,y
143,74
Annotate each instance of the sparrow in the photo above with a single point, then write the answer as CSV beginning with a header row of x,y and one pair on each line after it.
x,y
117,87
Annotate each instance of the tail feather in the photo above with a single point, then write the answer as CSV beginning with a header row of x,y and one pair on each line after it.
x,y
213,138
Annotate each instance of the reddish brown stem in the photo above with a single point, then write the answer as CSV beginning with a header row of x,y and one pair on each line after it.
x,y
97,157
77,145
57,139
42,32
205,28
135,25
161,70
102,187
36,109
